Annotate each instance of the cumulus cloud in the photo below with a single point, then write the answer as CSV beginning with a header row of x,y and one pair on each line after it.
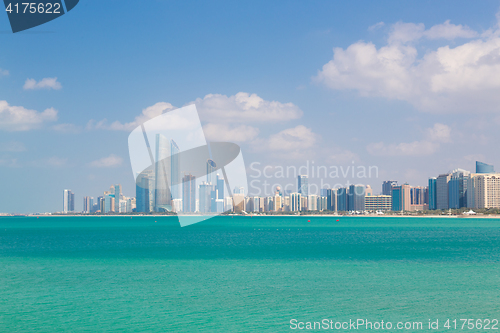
x,y
4,72
107,162
146,114
244,108
434,136
224,132
12,146
17,118
376,26
46,83
465,78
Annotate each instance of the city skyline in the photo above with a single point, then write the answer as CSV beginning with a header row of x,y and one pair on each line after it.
x,y
279,91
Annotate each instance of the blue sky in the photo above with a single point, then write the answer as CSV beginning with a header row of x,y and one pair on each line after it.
x,y
406,91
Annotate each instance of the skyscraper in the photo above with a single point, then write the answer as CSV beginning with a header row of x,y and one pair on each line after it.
x,y
211,166
162,172
457,190
331,195
68,201
442,201
401,197
342,202
432,193
295,202
387,186
118,195
205,199
484,168
144,191
175,165
487,190
220,187
303,185
356,198
88,203
189,193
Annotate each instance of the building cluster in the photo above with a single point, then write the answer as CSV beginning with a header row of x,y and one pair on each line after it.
x,y
456,189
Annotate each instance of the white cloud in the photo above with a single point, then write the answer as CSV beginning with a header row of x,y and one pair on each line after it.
x,y
9,162
147,113
107,162
224,132
376,26
465,78
4,72
66,128
244,108
17,118
434,136
12,146
46,83
292,143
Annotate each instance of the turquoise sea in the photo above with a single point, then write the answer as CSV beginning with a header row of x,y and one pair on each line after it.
x,y
244,274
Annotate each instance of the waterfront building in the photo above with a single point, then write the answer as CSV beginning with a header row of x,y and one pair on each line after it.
x,y
331,201
322,203
88,203
442,191
175,174
487,190
342,202
387,186
68,201
295,202
356,198
312,202
401,198
303,185
163,197
433,193
144,191
189,193
277,203
374,203
457,189
205,197
117,191
484,168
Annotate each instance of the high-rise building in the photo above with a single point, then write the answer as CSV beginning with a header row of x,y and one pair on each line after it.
x,y
88,203
356,198
487,190
331,195
374,203
312,202
387,186
401,197
303,185
277,203
432,193
118,195
484,168
144,191
322,203
175,166
189,193
295,202
442,201
239,190
211,166
162,172
239,202
457,189
205,197
109,203
68,201
342,202
220,187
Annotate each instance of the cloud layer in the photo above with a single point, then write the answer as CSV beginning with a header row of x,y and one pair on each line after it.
x,y
107,162
18,118
46,83
465,78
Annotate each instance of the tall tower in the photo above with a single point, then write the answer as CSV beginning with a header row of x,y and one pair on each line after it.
x,y
189,194
303,185
68,201
162,172
211,166
175,165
